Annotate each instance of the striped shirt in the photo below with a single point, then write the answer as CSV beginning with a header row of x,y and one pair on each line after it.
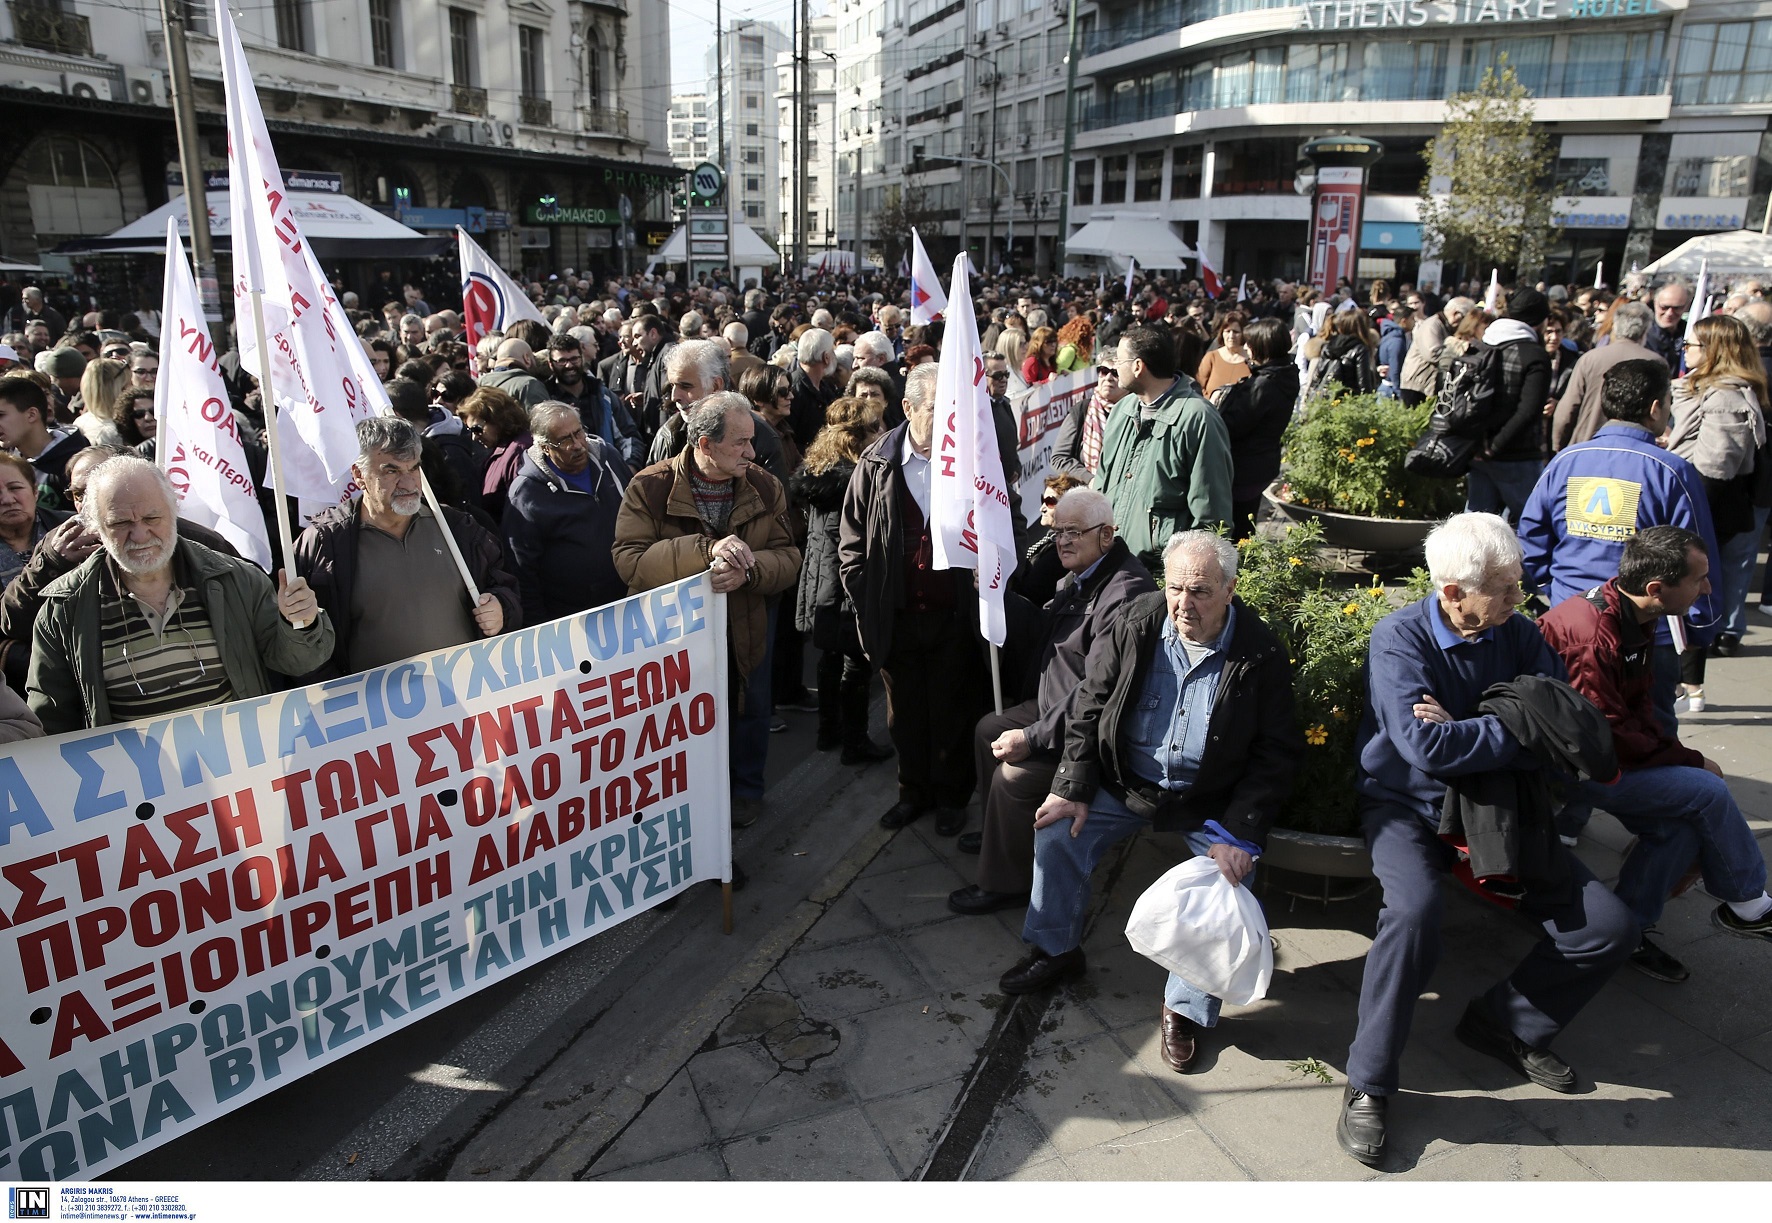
x,y
156,664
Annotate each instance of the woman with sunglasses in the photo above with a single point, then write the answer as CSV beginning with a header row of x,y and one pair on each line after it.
x,y
499,423
136,420
1720,428
1036,579
1077,449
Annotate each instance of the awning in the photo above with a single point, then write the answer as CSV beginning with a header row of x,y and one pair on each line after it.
x,y
1120,236
751,249
8,265
1740,253
338,226
1382,236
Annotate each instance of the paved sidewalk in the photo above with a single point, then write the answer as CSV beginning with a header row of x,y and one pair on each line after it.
x,y
870,1042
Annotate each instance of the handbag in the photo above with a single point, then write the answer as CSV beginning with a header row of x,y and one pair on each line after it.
x,y
1206,930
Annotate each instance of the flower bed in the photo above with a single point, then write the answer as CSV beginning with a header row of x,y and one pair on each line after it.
x,y
1346,455
1327,628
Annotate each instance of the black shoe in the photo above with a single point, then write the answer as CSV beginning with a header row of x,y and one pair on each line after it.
x,y
1728,645
806,702
1652,961
866,752
1484,1035
1360,1128
975,900
746,811
830,742
1723,918
949,820
739,878
970,842
900,814
777,725
1040,970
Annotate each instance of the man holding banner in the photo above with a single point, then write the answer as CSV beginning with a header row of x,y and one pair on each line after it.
x,y
151,625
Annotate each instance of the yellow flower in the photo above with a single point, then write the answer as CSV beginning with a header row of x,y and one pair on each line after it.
x,y
1377,592
1399,503
1366,441
1338,713
1317,735
1294,560
1351,609
1374,433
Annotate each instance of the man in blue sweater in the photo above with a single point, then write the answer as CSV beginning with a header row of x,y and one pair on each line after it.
x,y
1426,674
1598,494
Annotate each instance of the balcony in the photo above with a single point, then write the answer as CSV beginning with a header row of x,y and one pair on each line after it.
x,y
467,99
47,30
604,120
538,112
620,6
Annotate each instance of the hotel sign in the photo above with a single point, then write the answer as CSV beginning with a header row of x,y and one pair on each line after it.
x,y
1415,14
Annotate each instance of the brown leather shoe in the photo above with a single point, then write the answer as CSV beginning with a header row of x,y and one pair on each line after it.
x,y
1179,1041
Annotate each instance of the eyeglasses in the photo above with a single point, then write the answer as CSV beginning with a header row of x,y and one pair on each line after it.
x,y
1106,371
476,430
1049,499
145,371
142,413
1065,535
1690,344
575,438
116,354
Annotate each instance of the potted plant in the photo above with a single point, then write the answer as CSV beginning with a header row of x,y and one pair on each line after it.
x,y
1344,470
1326,626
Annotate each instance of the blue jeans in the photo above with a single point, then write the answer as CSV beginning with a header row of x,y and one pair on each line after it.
x,y
1062,866
1497,486
1737,564
1679,814
750,724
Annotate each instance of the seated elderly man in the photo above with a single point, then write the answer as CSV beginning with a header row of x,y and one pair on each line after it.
x,y
1429,667
1017,750
380,566
152,624
1671,796
712,510
1183,722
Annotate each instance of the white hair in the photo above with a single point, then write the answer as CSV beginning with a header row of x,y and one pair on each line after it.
x,y
823,319
1199,544
815,346
919,385
736,334
1091,503
705,357
1468,549
873,344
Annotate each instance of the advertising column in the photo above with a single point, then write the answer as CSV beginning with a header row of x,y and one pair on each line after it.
x,y
1340,163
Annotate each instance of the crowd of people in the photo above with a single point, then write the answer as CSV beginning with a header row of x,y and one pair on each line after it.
x,y
778,439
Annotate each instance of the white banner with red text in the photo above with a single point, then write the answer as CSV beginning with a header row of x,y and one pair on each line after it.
x,y
1040,412
197,910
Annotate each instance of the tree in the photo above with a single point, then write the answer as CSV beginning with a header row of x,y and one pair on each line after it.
x,y
906,207
1497,212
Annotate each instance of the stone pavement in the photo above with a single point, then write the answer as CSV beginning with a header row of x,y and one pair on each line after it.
x,y
865,1039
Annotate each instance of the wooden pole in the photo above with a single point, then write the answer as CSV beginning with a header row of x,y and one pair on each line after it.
x,y
726,907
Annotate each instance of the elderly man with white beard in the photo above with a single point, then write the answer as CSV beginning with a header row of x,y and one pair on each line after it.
x,y
151,625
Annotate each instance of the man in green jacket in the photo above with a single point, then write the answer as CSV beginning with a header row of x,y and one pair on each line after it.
x,y
152,625
1165,454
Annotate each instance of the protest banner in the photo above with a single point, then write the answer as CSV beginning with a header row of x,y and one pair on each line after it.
x,y
1040,412
197,910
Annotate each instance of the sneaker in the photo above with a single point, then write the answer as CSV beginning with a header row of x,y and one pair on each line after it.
x,y
777,726
806,702
1693,694
1723,918
1652,961
1765,609
1571,842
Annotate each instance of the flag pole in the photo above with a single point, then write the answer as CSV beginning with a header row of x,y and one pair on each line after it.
x,y
268,400
167,309
996,677
461,565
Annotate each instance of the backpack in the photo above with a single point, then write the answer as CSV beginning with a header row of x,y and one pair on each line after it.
x,y
1464,412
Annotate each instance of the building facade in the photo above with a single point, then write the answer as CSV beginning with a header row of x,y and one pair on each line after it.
x,y
1193,110
822,139
748,115
535,114
690,132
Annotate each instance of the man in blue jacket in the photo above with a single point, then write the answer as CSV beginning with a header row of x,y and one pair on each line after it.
x,y
559,519
1428,668
1598,494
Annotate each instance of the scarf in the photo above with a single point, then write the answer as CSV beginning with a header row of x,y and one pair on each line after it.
x,y
1094,422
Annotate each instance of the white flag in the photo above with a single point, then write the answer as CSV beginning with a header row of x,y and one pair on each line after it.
x,y
1243,288
1131,267
927,299
1599,272
969,522
198,440
313,380
1700,301
1492,299
490,300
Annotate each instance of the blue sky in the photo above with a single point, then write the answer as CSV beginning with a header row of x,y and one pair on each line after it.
x,y
692,31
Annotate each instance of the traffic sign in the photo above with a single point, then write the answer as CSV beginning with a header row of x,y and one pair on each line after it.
x,y
706,180
707,225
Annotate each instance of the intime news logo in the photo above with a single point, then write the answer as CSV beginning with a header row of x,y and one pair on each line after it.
x,y
27,1203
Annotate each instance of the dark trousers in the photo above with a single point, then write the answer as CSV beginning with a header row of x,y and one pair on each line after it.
x,y
1012,793
842,699
787,670
1585,940
1411,398
935,691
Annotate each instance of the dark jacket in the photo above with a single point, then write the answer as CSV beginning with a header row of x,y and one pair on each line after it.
x,y
1039,571
1393,350
1255,417
819,601
559,539
1347,360
604,415
1608,659
871,543
806,417
326,555
667,444
656,394
1520,400
517,382
1064,631
1253,742
1506,818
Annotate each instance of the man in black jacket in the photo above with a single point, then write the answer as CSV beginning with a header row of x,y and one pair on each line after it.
x,y
1501,479
1017,750
1184,721
559,519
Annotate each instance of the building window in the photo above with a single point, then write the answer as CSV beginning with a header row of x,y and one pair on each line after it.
x,y
1723,63
292,24
1529,58
531,58
1185,174
753,211
1024,176
753,182
1253,167
1030,54
750,129
1113,180
753,101
594,68
383,44
1403,71
1053,116
1627,65
1052,174
71,187
461,47
1147,181
1316,72
1085,187
753,157
1725,177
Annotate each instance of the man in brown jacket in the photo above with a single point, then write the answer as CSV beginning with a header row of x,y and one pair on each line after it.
x,y
711,509
1579,416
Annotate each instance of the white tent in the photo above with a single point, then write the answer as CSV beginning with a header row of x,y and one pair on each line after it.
x,y
8,265
1119,236
339,227
751,249
1739,253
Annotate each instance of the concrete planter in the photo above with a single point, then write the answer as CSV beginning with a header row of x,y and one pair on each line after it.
x,y
1312,853
1354,531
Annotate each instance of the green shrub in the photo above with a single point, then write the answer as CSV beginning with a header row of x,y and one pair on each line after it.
x,y
1326,625
1346,454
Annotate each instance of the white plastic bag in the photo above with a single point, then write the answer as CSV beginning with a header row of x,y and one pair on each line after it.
x,y
1206,930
